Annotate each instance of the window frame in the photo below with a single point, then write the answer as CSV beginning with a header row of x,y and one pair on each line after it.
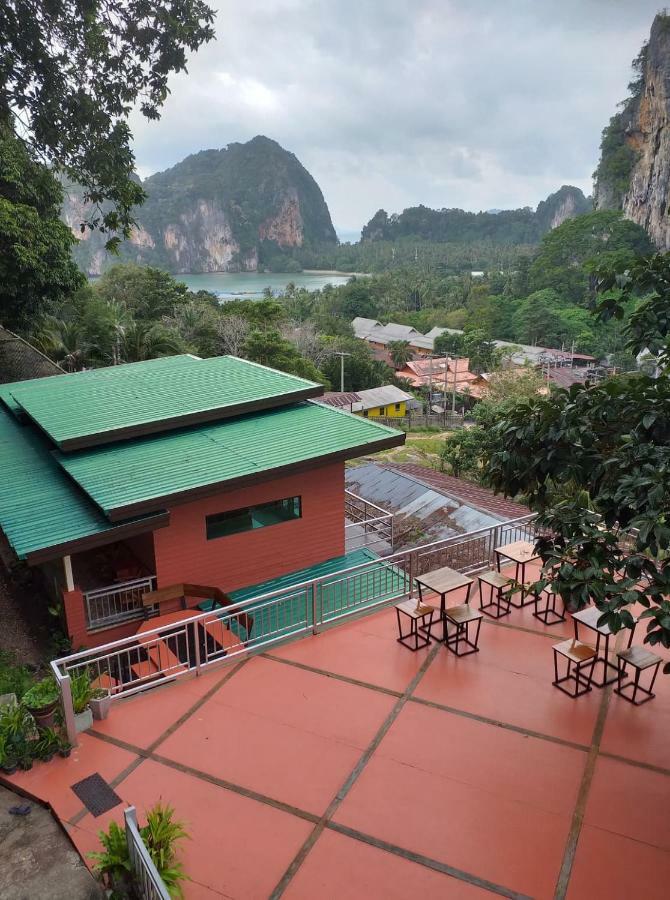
x,y
219,519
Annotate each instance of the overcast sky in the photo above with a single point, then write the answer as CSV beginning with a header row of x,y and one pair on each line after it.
x,y
389,103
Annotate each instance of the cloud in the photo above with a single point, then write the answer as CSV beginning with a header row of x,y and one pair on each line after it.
x,y
390,103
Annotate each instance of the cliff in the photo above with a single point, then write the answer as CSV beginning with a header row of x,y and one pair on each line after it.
x,y
507,227
634,169
237,209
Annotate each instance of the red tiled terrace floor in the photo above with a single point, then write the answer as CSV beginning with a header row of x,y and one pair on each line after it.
x,y
345,766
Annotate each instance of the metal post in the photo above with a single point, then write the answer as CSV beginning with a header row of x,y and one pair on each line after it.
x,y
315,627
68,709
196,646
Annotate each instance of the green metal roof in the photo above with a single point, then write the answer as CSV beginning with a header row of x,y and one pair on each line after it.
x,y
40,507
291,612
329,567
105,405
144,474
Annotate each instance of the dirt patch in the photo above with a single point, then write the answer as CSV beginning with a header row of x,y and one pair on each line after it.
x,y
24,615
38,860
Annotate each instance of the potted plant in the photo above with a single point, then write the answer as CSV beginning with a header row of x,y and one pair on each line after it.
x,y
80,685
41,702
17,732
100,702
64,746
8,763
25,761
46,745
160,836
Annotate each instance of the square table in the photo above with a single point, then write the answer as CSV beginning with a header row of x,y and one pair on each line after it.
x,y
588,618
521,553
444,581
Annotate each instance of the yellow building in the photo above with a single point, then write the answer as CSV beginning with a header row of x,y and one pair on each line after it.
x,y
387,401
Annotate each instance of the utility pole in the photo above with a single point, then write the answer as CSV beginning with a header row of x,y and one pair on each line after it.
x,y
453,393
341,354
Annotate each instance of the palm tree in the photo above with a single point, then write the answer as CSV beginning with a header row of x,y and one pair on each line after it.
x,y
142,340
64,342
400,352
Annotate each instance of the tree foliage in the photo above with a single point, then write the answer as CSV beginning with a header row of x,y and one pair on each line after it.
x,y
594,461
36,268
71,73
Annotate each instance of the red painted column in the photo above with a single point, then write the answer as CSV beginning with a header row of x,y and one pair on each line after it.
x,y
75,617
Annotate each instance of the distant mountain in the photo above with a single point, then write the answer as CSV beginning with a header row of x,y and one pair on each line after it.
x,y
231,210
505,227
634,169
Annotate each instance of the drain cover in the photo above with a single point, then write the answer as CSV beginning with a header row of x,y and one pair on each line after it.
x,y
96,795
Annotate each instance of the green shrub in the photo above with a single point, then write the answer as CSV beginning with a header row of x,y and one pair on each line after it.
x,y
14,678
82,691
160,836
42,693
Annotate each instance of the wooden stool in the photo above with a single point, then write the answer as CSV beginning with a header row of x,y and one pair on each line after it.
x,y
581,657
639,659
549,614
415,612
461,617
498,600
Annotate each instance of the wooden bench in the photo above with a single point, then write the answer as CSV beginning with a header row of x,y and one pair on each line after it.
x,y
499,602
415,611
580,657
639,659
462,617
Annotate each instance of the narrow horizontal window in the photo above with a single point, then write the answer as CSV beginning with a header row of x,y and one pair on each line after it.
x,y
251,517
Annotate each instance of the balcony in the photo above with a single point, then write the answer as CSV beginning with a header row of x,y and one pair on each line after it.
x,y
383,772
116,603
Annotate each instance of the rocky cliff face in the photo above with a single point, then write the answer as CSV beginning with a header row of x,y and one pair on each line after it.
x,y
634,169
225,210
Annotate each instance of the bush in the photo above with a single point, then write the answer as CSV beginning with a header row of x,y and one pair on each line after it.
x,y
43,693
160,835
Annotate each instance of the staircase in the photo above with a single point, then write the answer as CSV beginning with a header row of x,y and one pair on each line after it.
x,y
166,655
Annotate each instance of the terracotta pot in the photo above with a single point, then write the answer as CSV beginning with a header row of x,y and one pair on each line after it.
x,y
44,716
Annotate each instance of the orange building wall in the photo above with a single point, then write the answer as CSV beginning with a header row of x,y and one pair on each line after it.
x,y
183,553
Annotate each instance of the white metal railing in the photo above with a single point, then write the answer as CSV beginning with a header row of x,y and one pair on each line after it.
x,y
172,651
368,525
150,885
117,602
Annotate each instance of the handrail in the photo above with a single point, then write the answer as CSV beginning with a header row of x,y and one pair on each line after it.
x,y
119,586
133,663
384,512
151,885
303,585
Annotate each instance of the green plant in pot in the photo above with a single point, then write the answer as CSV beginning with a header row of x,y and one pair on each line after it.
x,y
160,836
41,701
82,693
8,762
47,744
17,735
64,746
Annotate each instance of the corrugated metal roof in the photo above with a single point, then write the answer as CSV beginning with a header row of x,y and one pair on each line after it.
x,y
466,491
125,476
338,399
19,360
381,396
421,513
39,506
105,405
